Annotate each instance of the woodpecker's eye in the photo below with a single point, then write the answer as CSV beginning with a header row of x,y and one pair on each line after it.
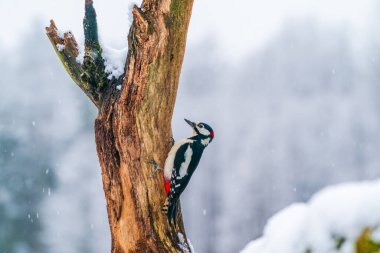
x,y
200,125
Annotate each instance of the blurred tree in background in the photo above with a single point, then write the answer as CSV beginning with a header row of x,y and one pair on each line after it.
x,y
36,129
26,155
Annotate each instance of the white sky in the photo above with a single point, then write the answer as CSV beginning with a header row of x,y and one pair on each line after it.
x,y
252,21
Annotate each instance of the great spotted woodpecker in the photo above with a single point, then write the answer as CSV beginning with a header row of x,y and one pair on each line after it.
x,y
181,163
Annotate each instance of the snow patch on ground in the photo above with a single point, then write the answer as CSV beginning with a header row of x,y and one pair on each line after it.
x,y
336,212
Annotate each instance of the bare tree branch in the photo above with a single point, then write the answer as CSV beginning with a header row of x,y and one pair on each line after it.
x,y
66,48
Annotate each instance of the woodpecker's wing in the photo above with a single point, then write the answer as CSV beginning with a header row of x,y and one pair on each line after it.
x,y
185,162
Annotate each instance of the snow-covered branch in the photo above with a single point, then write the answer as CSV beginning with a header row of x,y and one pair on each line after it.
x,y
87,68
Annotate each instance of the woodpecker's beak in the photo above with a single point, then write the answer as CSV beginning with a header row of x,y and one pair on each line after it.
x,y
192,124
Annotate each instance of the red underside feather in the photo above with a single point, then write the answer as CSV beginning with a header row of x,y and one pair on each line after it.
x,y
167,187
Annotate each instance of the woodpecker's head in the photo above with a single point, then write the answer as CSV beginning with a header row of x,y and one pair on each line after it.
x,y
202,130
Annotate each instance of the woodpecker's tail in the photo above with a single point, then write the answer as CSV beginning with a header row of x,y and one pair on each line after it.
x,y
171,210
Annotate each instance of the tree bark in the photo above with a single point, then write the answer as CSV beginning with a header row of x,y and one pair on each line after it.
x,y
134,124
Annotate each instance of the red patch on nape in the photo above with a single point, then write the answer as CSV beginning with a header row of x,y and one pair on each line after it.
x,y
212,134
167,187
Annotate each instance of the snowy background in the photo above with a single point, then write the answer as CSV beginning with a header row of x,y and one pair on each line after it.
x,y
290,88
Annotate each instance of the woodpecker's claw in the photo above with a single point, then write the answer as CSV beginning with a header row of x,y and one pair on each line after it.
x,y
172,141
165,206
156,167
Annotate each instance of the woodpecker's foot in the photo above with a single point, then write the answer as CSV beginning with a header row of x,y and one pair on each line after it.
x,y
156,167
172,141
165,206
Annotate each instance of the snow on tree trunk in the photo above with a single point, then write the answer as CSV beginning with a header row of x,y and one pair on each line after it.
x,y
133,126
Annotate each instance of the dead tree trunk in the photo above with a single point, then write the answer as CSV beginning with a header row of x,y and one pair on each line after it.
x,y
134,124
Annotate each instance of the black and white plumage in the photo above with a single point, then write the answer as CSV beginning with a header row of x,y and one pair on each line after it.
x,y
181,163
